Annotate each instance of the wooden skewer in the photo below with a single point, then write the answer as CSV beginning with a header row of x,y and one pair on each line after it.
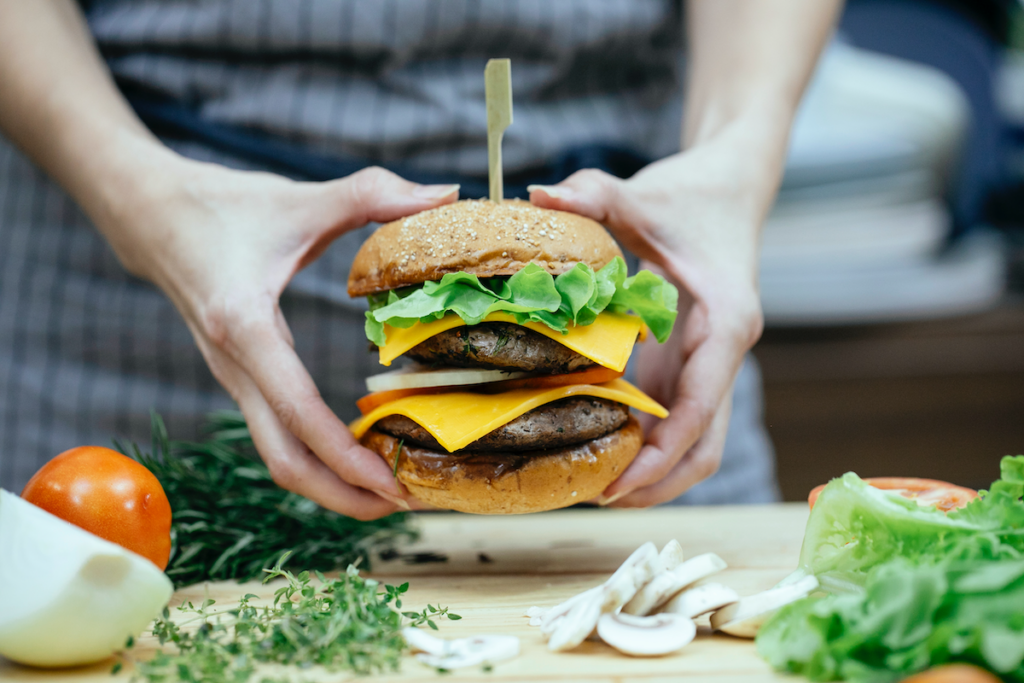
x,y
498,90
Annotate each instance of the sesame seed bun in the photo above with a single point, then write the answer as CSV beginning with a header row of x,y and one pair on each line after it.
x,y
486,483
477,237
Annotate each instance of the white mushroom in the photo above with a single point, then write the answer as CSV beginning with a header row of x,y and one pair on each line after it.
x,y
701,600
667,584
670,557
570,623
461,652
646,636
745,617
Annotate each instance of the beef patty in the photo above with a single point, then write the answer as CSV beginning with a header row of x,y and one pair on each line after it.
x,y
499,346
561,423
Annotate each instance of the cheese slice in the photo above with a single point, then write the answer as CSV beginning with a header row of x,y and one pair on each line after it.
x,y
458,419
608,341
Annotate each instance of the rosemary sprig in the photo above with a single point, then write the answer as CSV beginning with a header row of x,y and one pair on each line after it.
x,y
231,521
346,623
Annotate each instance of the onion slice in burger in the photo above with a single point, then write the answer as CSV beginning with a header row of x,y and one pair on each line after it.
x,y
418,379
597,375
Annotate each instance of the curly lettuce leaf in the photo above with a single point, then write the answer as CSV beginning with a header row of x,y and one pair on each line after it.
x,y
855,526
912,587
575,297
911,616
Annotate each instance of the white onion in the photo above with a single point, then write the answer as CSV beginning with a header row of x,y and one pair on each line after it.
x,y
68,597
448,377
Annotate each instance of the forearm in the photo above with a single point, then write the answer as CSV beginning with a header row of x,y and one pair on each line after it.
x,y
59,104
749,62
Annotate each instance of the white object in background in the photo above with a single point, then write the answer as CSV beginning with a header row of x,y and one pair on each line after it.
x,y
852,237
867,114
1010,87
970,277
68,597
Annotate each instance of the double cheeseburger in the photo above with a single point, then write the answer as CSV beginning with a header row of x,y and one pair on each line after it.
x,y
520,321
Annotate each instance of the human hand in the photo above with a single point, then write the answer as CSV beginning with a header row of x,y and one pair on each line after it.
x,y
223,244
695,218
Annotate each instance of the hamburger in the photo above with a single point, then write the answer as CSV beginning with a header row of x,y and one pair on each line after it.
x,y
519,322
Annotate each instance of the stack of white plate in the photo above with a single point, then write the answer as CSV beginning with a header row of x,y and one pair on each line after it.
x,y
859,232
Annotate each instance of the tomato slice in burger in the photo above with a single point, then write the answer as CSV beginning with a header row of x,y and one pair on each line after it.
x,y
941,494
596,375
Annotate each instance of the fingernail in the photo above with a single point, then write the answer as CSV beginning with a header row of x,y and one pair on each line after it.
x,y
393,499
434,191
604,501
553,192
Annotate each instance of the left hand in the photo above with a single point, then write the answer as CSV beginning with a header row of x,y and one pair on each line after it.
x,y
695,218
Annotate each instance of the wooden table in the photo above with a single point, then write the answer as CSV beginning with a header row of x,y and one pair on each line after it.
x,y
499,566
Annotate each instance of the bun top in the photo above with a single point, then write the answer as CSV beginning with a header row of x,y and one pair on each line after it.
x,y
477,237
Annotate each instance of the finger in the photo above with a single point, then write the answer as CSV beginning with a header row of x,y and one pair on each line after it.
x,y
377,195
253,340
292,465
295,468
609,201
590,193
699,463
706,380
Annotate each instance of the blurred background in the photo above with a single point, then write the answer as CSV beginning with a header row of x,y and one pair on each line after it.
x,y
893,267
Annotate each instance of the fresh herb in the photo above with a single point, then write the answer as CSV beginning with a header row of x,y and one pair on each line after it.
x,y
912,587
503,338
343,624
231,521
398,456
576,297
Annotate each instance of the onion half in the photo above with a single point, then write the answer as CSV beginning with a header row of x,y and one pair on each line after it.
x,y
68,597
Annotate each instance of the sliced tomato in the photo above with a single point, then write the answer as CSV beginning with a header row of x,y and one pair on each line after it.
x,y
597,375
941,494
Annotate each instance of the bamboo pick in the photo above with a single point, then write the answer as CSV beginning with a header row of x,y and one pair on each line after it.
x,y
498,90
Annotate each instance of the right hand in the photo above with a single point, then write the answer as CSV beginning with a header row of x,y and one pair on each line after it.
x,y
223,244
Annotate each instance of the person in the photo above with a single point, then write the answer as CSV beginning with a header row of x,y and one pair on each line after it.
x,y
217,159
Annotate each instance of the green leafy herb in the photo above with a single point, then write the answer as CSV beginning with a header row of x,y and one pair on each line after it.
x,y
398,456
231,521
912,587
531,295
347,623
910,617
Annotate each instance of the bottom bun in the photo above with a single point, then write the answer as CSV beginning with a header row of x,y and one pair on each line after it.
x,y
511,483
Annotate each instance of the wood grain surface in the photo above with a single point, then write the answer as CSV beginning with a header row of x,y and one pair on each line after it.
x,y
496,567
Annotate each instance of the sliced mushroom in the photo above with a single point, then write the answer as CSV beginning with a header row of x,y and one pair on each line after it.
x,y
670,557
569,628
744,618
646,636
700,600
667,584
461,652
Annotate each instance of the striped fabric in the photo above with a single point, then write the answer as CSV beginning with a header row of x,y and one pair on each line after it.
x,y
86,351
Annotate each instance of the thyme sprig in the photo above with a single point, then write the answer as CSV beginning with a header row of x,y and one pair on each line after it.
x,y
231,521
349,623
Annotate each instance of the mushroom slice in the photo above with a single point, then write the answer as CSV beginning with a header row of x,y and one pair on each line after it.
x,y
701,600
744,618
646,636
667,584
551,617
670,557
570,628
461,652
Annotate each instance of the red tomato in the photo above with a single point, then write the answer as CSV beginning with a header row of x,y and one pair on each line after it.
x,y
109,495
941,494
596,375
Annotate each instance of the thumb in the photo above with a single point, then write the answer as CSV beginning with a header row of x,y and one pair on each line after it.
x,y
377,195
590,193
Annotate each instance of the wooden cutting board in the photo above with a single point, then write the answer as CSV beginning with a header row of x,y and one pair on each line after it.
x,y
497,567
